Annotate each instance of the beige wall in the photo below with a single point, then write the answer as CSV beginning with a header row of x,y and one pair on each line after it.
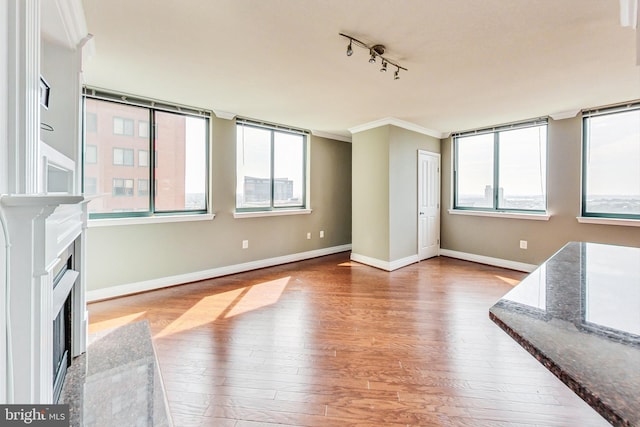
x,y
499,238
385,191
119,255
403,189
370,178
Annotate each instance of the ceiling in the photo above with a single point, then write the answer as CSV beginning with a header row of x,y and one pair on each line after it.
x,y
471,63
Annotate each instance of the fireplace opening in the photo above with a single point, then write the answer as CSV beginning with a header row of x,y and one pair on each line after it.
x,y
64,279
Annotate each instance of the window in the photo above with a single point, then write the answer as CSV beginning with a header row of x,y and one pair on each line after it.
x,y
91,154
271,165
90,186
91,124
143,129
122,187
143,187
123,156
180,181
611,163
502,169
143,158
122,126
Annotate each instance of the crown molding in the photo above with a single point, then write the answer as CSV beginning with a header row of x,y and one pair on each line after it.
x,y
224,115
564,115
398,123
331,136
73,20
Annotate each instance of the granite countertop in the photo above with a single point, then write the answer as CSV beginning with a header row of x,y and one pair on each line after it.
x,y
579,315
117,381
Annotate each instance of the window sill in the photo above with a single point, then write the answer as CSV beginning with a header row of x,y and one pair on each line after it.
x,y
257,214
108,222
510,215
609,221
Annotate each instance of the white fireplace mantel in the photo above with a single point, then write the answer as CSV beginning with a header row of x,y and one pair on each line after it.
x,y
40,228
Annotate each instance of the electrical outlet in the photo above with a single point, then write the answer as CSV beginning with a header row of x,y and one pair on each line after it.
x,y
523,244
308,236
245,244
322,234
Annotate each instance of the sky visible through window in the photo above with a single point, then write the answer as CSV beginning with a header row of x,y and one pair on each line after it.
x,y
196,152
612,162
614,154
521,169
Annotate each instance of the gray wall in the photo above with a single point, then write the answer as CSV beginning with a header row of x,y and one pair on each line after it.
x,y
385,191
120,255
499,238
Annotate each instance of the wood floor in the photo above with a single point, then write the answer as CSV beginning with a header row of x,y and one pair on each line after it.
x,y
329,342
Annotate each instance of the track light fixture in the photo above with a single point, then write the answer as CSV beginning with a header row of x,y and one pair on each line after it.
x,y
375,51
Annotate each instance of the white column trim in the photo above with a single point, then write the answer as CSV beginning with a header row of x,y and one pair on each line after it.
x,y
23,95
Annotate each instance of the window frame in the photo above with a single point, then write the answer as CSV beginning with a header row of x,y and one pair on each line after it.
x,y
495,209
272,209
586,115
151,215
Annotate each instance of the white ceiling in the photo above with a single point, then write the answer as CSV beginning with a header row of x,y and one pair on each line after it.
x,y
471,63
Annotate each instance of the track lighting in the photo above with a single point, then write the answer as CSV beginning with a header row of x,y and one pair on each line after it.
x,y
374,51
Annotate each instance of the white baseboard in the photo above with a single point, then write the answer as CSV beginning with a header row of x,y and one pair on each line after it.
x,y
497,262
384,265
163,282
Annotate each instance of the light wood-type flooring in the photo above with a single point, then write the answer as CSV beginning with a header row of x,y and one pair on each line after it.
x,y
329,342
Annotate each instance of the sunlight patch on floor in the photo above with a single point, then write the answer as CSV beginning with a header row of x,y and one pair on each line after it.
x,y
204,311
350,264
115,322
507,280
260,295
227,304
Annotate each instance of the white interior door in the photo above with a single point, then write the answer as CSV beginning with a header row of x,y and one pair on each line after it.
x,y
428,204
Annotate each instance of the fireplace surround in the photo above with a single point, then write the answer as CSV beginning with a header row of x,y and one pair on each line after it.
x,y
42,229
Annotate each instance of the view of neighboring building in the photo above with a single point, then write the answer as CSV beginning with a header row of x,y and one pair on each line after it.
x,y
118,159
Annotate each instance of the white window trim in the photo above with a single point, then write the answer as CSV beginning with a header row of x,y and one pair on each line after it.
x,y
279,212
157,219
609,221
499,214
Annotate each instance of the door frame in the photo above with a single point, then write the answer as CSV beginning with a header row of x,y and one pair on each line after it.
x,y
437,156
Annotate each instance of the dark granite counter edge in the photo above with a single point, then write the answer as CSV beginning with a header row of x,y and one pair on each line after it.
x,y
73,392
593,400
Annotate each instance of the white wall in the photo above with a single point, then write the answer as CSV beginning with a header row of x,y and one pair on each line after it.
x,y
3,185
4,77
59,68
